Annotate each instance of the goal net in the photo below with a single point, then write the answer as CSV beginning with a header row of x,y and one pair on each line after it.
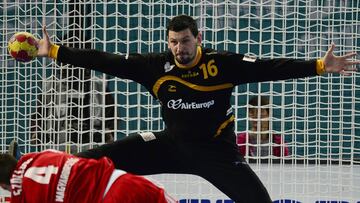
x,y
46,105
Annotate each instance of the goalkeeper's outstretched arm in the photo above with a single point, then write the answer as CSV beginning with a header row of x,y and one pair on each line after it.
x,y
330,63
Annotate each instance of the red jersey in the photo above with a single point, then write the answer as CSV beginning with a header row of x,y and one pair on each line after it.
x,y
53,176
136,189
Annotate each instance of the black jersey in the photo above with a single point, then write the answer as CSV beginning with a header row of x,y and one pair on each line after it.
x,y
195,99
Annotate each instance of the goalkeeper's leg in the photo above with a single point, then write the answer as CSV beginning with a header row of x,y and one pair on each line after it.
x,y
138,154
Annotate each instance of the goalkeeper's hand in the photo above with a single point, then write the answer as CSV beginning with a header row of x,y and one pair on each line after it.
x,y
339,64
44,44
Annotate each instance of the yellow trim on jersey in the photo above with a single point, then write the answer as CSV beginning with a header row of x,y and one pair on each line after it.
x,y
161,80
224,124
320,67
195,61
53,52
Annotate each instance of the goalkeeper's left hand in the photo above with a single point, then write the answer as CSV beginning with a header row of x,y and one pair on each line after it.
x,y
339,64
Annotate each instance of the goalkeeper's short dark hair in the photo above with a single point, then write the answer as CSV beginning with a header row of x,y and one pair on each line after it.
x,y
182,22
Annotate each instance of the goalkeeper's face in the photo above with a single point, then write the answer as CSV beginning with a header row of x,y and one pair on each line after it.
x,y
183,45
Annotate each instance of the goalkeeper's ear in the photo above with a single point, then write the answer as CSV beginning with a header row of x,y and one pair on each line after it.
x,y
199,39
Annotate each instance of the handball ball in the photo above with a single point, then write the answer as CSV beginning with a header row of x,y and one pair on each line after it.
x,y
23,46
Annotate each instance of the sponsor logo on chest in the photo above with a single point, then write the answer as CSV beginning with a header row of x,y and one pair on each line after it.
x,y
179,104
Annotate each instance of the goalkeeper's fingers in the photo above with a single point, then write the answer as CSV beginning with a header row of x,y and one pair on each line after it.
x,y
44,43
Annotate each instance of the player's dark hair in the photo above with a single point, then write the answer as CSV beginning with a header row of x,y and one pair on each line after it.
x,y
182,22
255,102
7,166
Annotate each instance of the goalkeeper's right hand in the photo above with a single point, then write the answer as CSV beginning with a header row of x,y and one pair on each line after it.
x,y
44,44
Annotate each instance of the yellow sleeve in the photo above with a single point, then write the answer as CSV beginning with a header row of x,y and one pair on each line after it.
x,y
320,67
53,52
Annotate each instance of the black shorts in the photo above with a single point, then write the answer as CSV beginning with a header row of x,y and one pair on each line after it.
x,y
216,160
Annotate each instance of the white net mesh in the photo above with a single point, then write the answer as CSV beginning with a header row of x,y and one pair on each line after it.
x,y
318,117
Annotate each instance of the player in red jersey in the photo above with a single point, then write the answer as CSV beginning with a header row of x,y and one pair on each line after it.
x,y
53,176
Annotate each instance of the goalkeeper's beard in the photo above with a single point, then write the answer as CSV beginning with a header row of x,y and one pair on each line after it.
x,y
184,58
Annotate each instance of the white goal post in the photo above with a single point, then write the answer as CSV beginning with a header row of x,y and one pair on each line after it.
x,y
45,106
